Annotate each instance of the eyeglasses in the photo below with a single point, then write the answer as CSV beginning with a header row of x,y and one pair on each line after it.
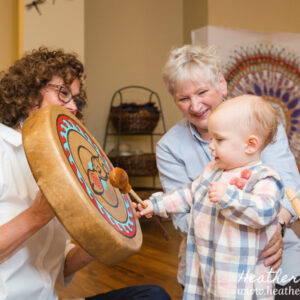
x,y
65,95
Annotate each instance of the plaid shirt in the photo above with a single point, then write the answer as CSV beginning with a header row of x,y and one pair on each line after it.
x,y
226,239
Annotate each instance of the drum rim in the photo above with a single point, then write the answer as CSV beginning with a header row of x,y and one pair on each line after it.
x,y
85,208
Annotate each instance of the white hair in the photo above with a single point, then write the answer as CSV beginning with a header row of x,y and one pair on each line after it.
x,y
192,62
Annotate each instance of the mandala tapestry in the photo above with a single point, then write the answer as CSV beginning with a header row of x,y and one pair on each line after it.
x,y
274,74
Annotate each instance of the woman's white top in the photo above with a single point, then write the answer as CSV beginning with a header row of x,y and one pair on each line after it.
x,y
31,271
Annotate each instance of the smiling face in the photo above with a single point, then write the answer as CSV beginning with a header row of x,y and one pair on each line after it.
x,y
196,100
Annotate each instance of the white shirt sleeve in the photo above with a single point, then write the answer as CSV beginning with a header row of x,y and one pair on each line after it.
x,y
65,281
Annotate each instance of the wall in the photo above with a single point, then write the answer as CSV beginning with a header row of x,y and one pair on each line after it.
x,y
127,43
60,25
8,32
195,15
121,42
259,15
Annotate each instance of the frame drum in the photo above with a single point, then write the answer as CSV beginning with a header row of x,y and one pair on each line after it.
x,y
72,171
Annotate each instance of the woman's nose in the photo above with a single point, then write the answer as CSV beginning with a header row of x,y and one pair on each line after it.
x,y
195,104
72,107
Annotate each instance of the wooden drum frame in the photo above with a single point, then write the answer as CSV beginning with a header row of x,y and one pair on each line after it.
x,y
72,171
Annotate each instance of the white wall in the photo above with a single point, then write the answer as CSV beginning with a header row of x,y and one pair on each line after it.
x,y
127,43
122,42
8,32
60,25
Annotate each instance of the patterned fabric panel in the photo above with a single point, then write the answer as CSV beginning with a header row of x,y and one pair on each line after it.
x,y
274,74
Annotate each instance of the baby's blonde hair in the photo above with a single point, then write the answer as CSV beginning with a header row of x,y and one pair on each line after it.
x,y
254,114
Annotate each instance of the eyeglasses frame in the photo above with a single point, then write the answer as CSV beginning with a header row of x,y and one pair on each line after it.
x,y
59,87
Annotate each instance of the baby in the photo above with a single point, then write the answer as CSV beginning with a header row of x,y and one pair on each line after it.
x,y
233,205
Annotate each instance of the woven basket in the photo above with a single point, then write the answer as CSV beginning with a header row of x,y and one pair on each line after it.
x,y
136,165
134,119
146,192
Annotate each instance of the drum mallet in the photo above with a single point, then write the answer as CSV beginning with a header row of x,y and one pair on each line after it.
x,y
119,179
294,200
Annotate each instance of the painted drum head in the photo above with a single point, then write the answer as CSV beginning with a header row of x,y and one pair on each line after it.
x,y
72,171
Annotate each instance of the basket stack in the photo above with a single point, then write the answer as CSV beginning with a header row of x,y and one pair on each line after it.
x,y
136,165
145,193
131,118
135,119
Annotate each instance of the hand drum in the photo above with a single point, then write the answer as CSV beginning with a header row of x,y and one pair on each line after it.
x,y
72,172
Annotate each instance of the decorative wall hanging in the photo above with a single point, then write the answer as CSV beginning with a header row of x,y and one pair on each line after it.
x,y
274,74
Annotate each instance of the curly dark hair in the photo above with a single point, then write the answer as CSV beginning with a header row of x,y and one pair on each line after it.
x,y
20,86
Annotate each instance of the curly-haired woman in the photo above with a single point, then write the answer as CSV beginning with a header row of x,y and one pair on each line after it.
x,y
35,250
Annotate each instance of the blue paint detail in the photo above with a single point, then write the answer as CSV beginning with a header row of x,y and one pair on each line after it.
x,y
90,165
104,184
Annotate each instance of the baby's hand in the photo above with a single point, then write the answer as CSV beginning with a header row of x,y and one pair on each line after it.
x,y
216,191
147,211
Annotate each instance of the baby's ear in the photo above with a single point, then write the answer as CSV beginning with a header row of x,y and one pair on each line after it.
x,y
252,144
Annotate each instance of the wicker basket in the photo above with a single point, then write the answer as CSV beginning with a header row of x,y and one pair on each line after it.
x,y
146,192
136,165
132,118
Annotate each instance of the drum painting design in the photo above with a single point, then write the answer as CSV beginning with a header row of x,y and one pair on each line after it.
x,y
72,171
92,163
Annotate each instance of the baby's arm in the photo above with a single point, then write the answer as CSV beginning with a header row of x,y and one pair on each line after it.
x,y
162,204
216,191
256,208
178,201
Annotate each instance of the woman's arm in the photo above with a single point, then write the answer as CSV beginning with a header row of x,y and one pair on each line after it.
x,y
279,157
76,259
23,226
